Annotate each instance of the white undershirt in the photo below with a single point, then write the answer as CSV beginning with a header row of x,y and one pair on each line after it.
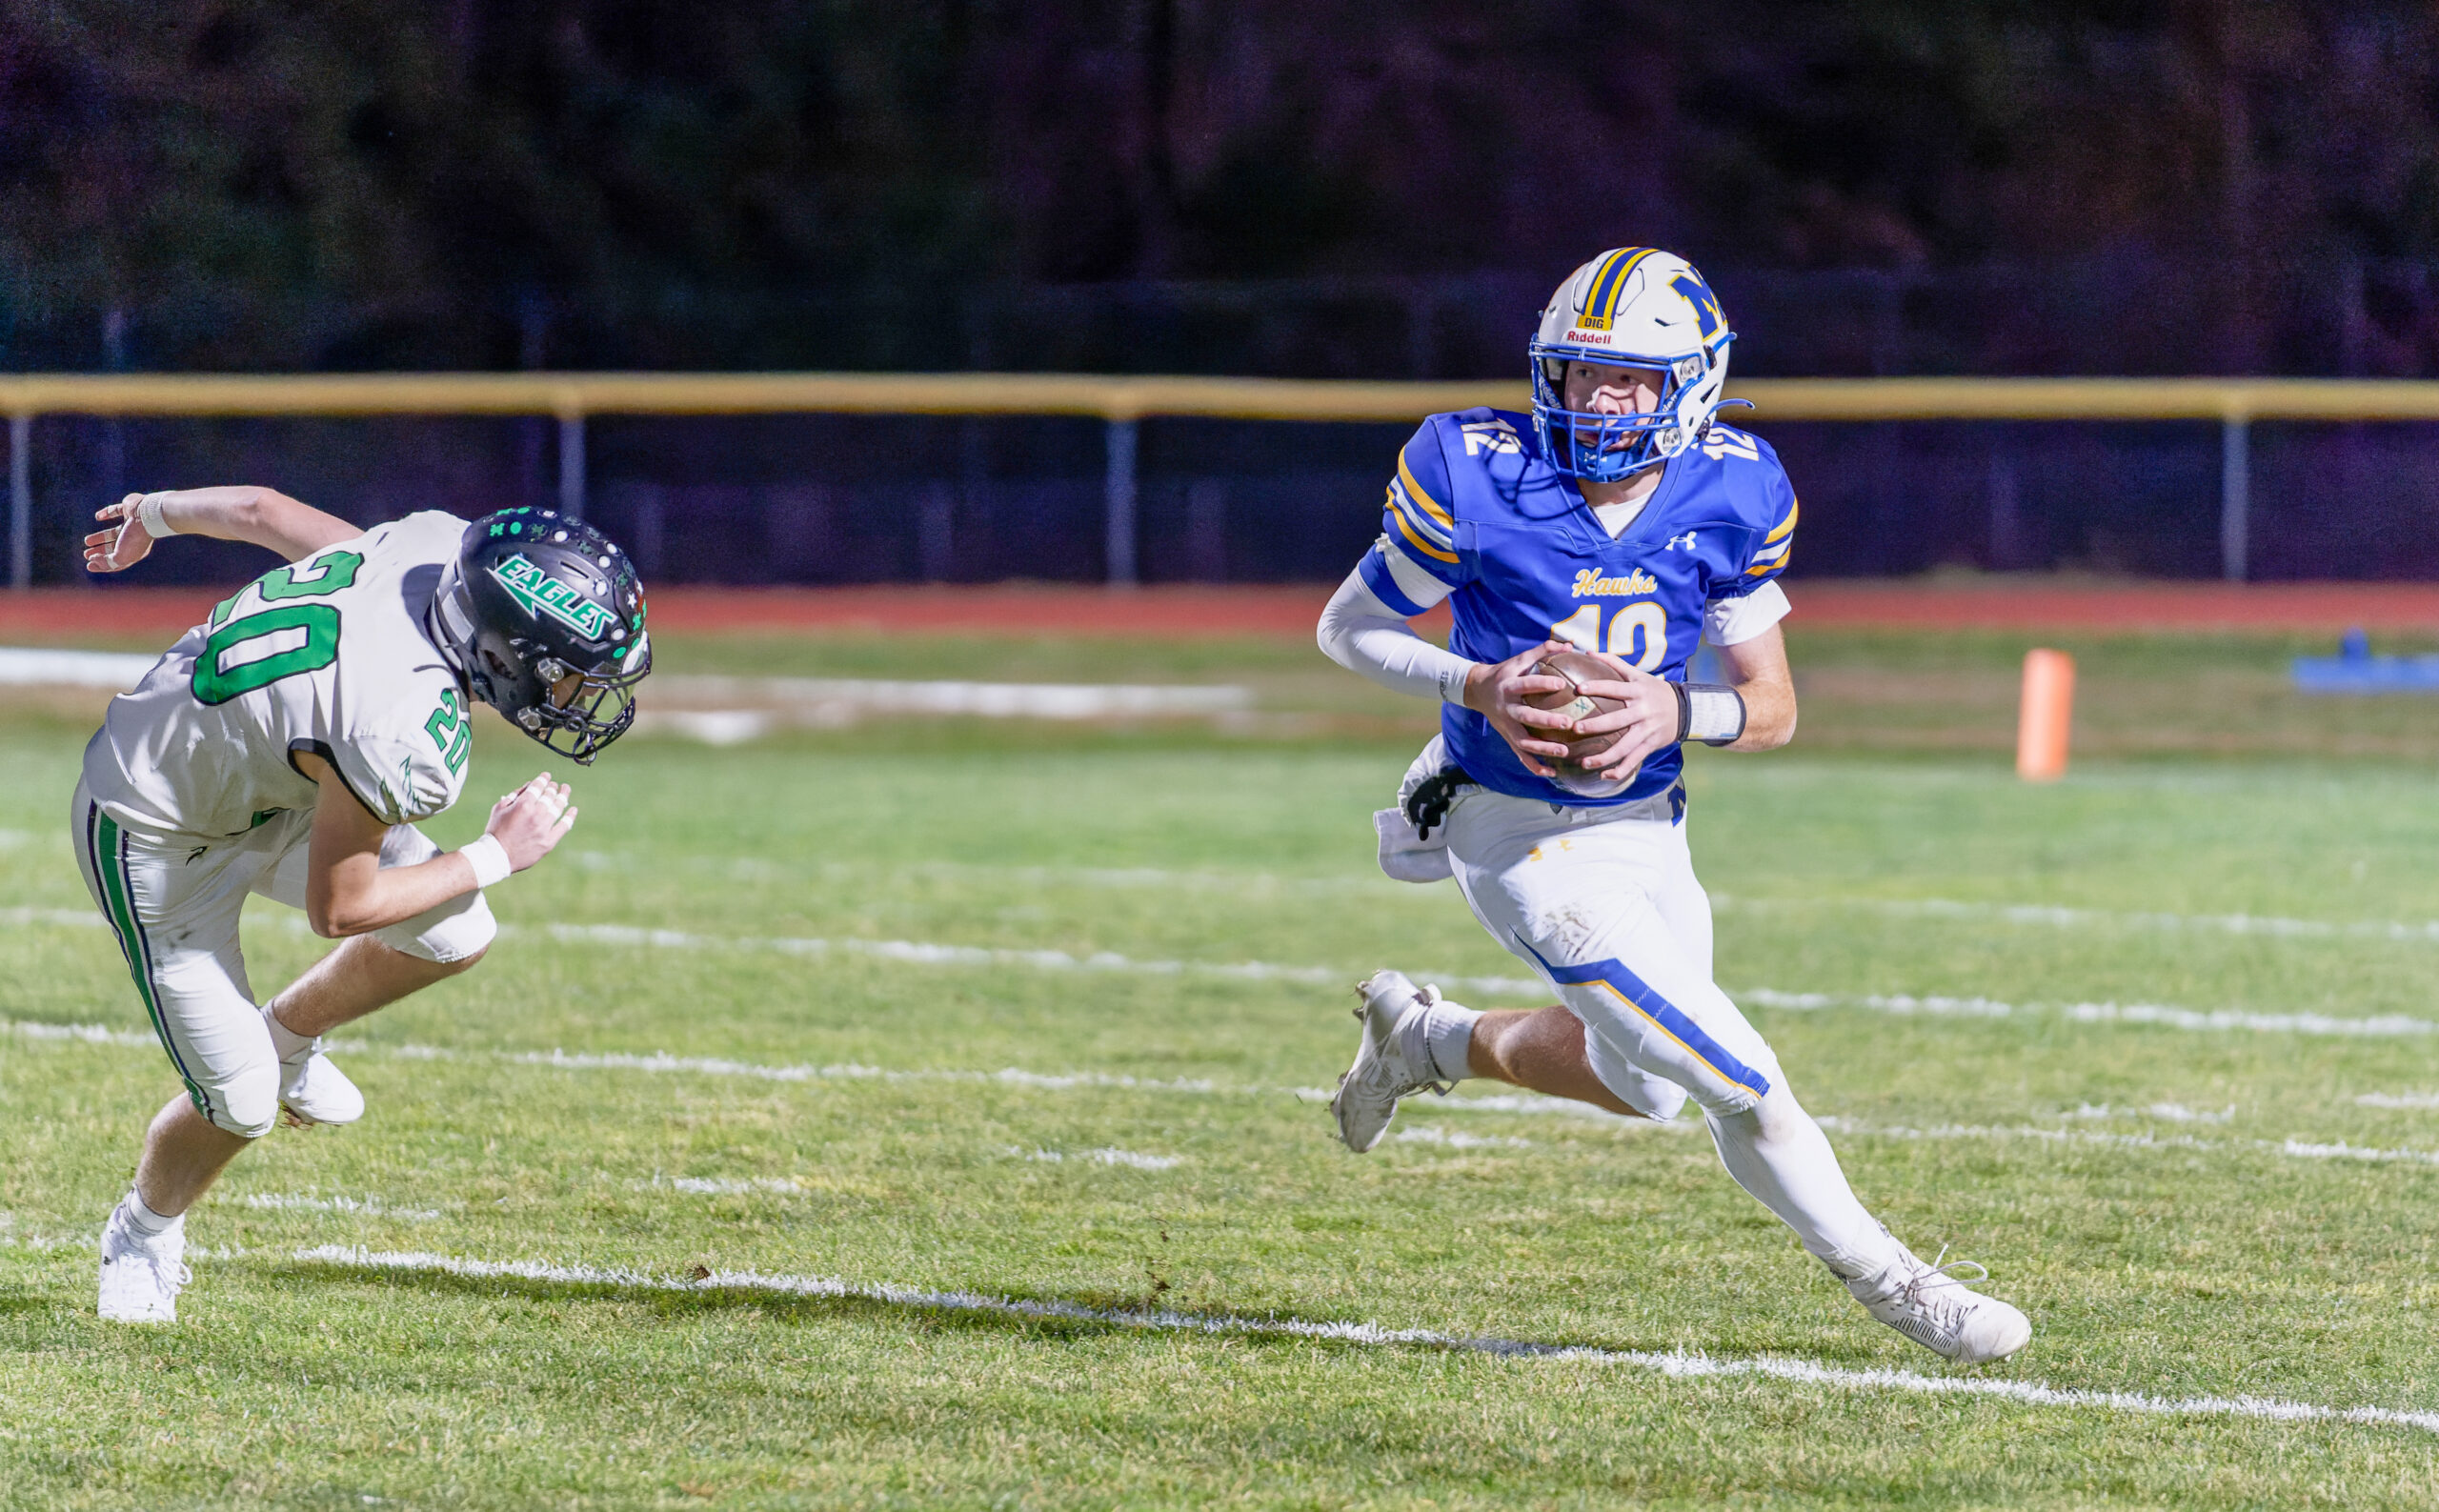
x,y
1616,517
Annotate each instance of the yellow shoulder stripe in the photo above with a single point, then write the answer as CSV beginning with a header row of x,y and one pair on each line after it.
x,y
1404,505
1414,490
1782,528
1416,539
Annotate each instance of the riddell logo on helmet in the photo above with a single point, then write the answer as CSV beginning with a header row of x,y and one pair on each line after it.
x,y
1590,338
538,593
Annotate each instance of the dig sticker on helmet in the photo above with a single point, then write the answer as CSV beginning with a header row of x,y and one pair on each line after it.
x,y
541,594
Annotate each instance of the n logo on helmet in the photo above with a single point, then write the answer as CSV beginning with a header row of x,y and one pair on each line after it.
x,y
538,593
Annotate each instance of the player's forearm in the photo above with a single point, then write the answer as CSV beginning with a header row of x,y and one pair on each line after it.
x,y
358,899
258,516
1757,669
1369,638
1769,717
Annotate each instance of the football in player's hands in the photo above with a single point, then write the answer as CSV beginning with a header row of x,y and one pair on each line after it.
x,y
1578,668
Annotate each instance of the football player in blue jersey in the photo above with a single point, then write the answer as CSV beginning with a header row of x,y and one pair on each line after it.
x,y
1619,518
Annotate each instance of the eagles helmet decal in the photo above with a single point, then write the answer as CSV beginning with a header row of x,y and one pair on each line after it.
x,y
1632,307
545,619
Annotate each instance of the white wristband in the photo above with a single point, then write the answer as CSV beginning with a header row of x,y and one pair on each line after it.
x,y
1714,715
147,513
490,860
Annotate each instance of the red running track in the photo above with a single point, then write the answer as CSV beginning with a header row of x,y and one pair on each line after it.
x,y
61,615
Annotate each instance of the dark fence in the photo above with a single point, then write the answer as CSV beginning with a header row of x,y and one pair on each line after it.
x,y
817,499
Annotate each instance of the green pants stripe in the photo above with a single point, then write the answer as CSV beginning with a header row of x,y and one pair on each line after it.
x,y
106,844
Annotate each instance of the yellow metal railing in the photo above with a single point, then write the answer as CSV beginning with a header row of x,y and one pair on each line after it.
x,y
572,395
1121,402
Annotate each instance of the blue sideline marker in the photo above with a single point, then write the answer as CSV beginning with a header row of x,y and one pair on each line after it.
x,y
2354,670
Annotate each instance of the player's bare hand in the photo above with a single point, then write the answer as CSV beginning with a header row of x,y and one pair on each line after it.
x,y
531,820
1497,691
124,544
1649,718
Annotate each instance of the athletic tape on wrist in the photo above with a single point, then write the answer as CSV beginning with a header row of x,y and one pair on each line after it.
x,y
490,860
147,513
1713,714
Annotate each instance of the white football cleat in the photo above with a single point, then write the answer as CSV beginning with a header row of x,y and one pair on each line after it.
x,y
1938,1312
314,1091
1393,1059
141,1277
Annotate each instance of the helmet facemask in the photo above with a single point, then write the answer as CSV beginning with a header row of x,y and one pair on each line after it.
x,y
1600,447
576,725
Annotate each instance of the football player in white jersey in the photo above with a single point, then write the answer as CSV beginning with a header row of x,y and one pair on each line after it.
x,y
1619,518
287,747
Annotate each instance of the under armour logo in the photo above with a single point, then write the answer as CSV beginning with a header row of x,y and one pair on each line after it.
x,y
1677,542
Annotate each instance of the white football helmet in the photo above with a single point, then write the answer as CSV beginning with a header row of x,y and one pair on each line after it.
x,y
1634,307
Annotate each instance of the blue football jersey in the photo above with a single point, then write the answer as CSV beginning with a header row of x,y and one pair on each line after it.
x,y
1474,504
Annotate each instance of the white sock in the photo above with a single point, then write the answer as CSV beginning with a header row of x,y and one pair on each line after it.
x,y
1777,1153
1449,1030
291,1046
144,1220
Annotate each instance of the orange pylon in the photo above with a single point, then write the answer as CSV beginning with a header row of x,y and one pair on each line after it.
x,y
2046,716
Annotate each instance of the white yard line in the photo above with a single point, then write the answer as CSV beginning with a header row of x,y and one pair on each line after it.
x,y
762,868
731,711
1109,1154
87,1034
2399,1100
922,952
2213,1020
366,1207
927,953
1526,1104
33,666
774,700
2044,915
731,1186
55,917
2062,917
838,1070
1675,1364
813,697
2290,1148
1456,1139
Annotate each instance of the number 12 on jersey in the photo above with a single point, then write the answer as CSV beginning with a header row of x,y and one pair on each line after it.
x,y
1637,633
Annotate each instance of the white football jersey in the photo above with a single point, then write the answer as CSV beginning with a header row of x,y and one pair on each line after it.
x,y
327,655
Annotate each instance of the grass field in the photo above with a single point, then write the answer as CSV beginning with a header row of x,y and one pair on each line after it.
x,y
2111,1037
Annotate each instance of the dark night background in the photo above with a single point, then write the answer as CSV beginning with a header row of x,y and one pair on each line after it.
x,y
1310,188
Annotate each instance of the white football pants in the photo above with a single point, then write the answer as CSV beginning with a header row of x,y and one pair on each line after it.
x,y
173,901
1608,911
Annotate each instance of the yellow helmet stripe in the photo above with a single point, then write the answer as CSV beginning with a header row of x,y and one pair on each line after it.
x,y
1601,301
